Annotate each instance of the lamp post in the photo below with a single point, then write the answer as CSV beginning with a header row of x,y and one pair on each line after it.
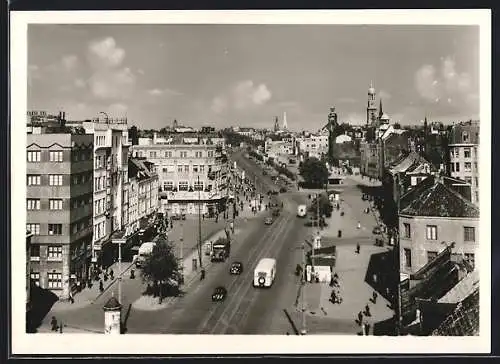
x,y
199,225
303,282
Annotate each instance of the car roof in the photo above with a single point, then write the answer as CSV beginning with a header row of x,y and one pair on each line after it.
x,y
220,288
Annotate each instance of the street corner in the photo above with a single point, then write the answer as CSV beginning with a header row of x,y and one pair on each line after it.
x,y
150,303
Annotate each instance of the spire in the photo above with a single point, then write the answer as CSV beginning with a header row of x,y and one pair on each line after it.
x,y
380,112
285,125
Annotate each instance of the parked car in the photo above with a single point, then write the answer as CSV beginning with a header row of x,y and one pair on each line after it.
x,y
236,268
268,221
377,230
219,294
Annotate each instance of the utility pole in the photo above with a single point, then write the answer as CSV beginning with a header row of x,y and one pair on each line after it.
x,y
120,271
181,254
199,224
398,262
303,282
255,193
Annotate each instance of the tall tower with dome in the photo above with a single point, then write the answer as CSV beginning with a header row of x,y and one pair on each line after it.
x,y
371,109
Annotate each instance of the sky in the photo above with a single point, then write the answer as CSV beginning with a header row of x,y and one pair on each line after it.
x,y
225,75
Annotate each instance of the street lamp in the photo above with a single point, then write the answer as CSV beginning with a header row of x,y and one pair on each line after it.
x,y
199,224
303,282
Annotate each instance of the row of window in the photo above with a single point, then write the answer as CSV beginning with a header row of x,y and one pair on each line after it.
x,y
34,156
99,230
56,179
455,166
57,229
455,152
54,279
431,232
172,154
54,252
431,255
185,168
184,185
34,204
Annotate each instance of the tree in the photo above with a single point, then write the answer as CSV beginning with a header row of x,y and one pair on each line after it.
x,y
314,172
325,207
162,267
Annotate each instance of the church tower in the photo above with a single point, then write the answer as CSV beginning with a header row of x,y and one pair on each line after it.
x,y
371,109
276,124
285,125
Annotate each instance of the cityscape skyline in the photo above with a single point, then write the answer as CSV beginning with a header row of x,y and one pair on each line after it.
x,y
242,80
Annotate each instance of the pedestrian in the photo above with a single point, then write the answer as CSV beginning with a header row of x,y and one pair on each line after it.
x,y
71,299
101,286
359,225
202,274
111,274
53,323
358,248
360,318
78,286
367,311
374,296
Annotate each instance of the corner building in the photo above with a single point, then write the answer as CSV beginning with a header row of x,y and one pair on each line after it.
x,y
59,209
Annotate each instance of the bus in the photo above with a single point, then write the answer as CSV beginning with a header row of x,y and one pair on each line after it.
x,y
302,211
264,273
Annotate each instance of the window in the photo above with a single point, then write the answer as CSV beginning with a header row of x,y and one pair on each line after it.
x,y
183,185
34,180
34,156
55,204
54,252
55,229
168,185
210,154
35,278
186,168
475,166
54,280
56,156
407,230
468,180
35,252
431,232
407,257
198,185
467,166
467,153
457,152
457,167
202,168
179,168
184,154
55,179
33,228
76,180
195,168
198,154
168,154
469,258
431,255
476,181
465,137
469,233
33,204
152,154
452,165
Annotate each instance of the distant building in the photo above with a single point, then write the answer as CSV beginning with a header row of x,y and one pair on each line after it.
x,y
344,138
433,216
59,209
313,145
188,173
464,155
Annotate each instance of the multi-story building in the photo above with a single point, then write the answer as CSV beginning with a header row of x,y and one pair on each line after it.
x,y
464,155
28,271
143,191
59,209
313,145
110,199
433,216
275,148
191,171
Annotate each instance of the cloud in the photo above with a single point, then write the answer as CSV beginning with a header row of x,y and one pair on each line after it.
x,y
109,79
165,91
69,62
106,52
384,95
80,83
242,96
445,83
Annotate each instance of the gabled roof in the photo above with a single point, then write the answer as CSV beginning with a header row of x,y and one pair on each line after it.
x,y
432,197
411,159
462,289
140,168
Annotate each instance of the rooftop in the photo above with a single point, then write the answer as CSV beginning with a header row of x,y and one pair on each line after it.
x,y
432,197
140,168
462,289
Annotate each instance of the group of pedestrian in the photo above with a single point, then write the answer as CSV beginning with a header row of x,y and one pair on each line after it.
x,y
362,319
335,296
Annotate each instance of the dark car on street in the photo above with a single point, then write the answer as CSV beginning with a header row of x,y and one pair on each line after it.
x,y
377,230
268,221
236,268
219,294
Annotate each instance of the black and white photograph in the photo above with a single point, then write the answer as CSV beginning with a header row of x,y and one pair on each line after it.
x,y
288,180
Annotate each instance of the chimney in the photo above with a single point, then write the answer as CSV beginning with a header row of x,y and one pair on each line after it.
x,y
155,136
64,115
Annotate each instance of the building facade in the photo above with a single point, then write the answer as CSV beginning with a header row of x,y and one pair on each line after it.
x,y
432,217
110,179
190,173
59,209
464,155
312,145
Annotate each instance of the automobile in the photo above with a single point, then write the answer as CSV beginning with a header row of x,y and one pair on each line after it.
x,y
364,197
219,294
236,268
377,230
268,220
283,190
